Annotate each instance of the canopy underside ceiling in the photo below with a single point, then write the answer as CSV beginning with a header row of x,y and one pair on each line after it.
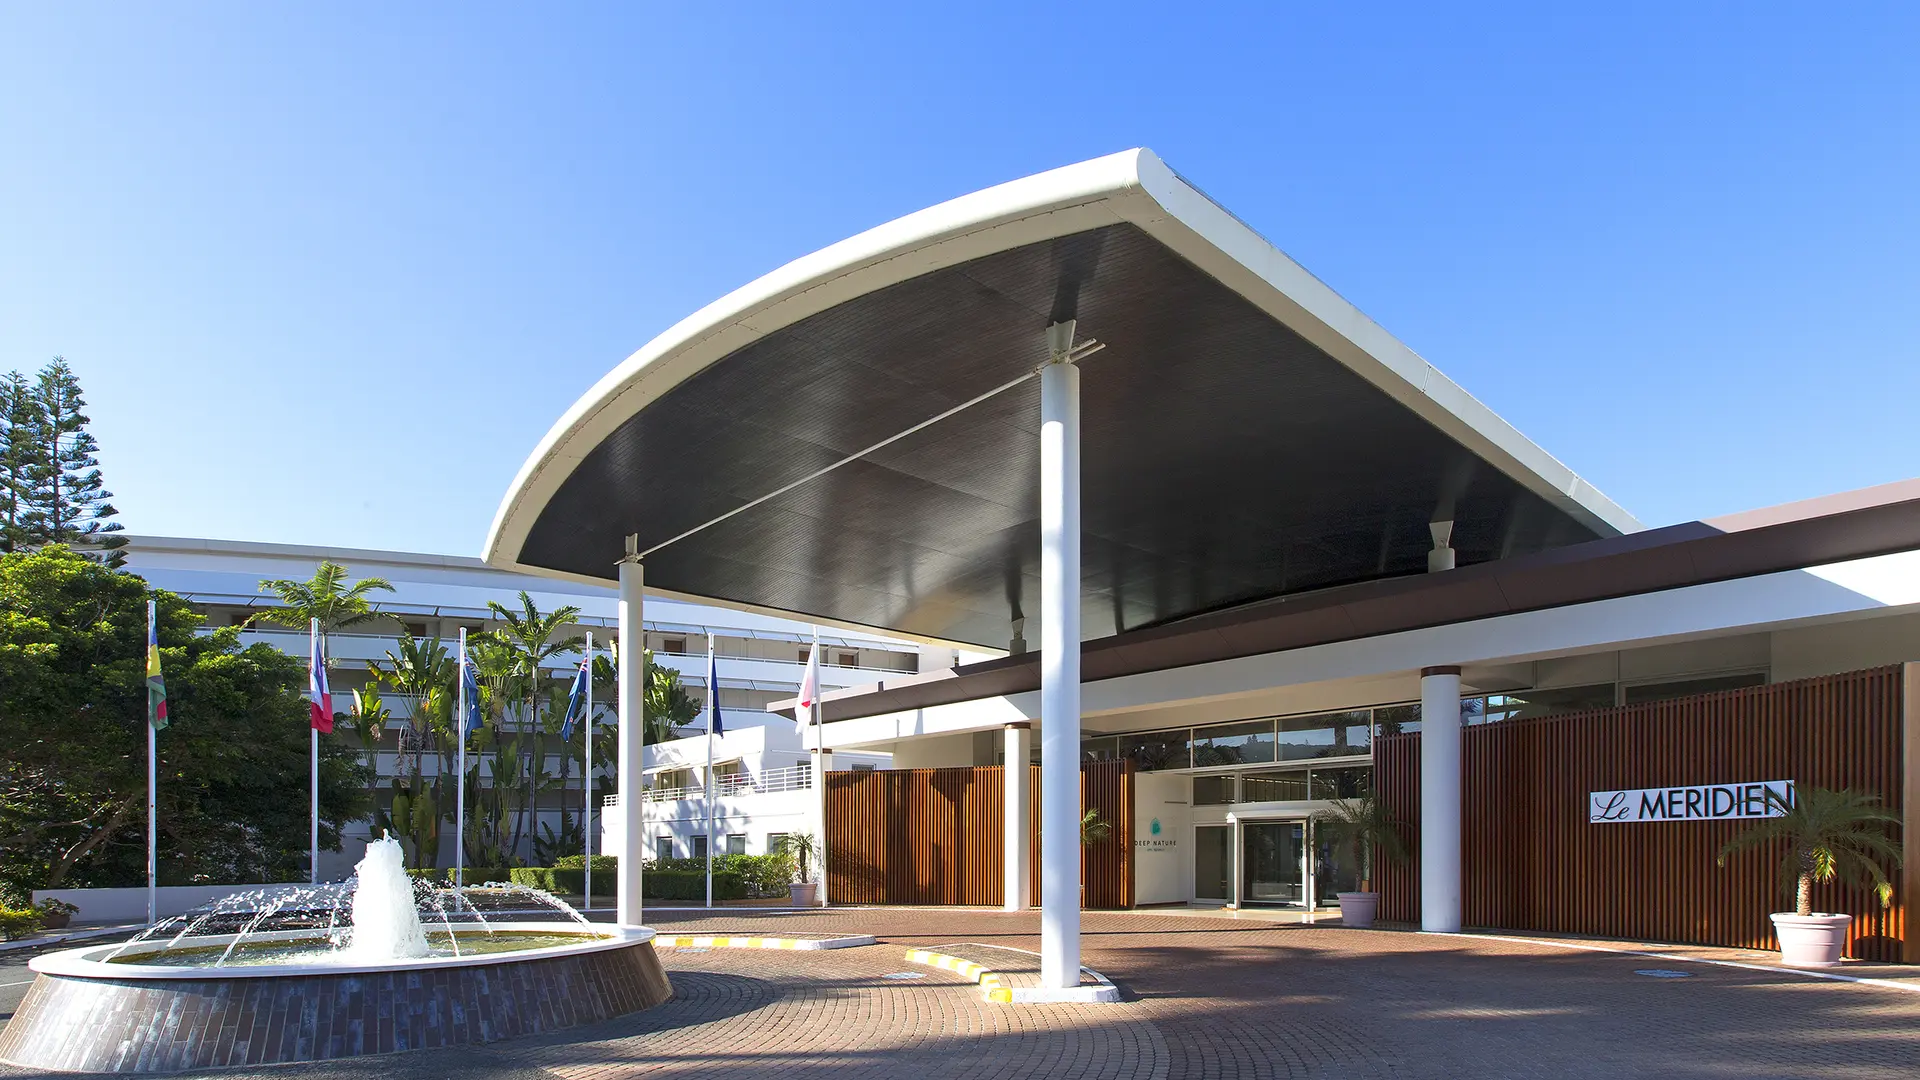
x,y
1224,458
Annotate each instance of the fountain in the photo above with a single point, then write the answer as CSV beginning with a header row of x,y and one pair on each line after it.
x,y
378,963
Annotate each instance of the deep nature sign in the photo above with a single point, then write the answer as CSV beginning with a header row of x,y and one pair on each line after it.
x,y
1707,802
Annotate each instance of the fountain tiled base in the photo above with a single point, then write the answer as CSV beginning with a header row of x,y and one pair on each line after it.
x,y
136,1025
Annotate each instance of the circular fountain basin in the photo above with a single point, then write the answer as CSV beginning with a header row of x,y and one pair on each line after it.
x,y
290,1000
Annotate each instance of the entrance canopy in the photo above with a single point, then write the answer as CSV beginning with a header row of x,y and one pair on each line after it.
x,y
1246,432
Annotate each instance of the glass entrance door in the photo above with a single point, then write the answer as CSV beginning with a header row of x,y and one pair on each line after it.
x,y
1213,863
1274,862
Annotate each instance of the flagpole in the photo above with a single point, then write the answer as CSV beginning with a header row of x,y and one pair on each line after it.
x,y
713,705
153,802
586,774
460,783
313,731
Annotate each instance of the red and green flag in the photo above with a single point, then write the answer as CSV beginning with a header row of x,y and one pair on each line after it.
x,y
156,686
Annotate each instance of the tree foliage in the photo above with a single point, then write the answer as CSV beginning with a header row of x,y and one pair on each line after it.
x,y
233,765
51,488
325,596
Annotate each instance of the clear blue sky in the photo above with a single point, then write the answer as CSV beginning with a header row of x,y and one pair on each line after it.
x,y
328,274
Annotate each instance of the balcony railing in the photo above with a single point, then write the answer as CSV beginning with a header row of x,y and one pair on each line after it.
x,y
791,778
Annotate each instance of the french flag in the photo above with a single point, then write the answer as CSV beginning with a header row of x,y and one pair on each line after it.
x,y
320,700
809,689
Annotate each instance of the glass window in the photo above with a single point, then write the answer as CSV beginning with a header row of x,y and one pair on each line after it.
x,y
1250,743
1158,750
664,846
1525,704
1213,790
699,847
736,843
1397,719
1351,782
1661,691
1338,734
774,840
1279,786
1098,748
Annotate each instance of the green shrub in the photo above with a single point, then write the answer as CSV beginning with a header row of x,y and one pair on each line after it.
x,y
762,875
425,875
16,923
480,875
602,864
688,885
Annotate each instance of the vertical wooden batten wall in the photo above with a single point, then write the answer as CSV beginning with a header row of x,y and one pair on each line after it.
x,y
1533,861
933,836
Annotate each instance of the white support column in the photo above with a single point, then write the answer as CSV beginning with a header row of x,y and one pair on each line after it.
x,y
630,679
822,765
1440,800
1018,784
1060,664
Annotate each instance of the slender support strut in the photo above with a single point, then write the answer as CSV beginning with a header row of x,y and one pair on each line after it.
x,y
713,706
1440,800
1019,793
1060,663
313,744
631,679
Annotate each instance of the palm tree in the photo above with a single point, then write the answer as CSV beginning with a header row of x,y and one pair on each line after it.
x,y
1828,834
325,596
1093,828
533,638
424,673
668,705
1365,825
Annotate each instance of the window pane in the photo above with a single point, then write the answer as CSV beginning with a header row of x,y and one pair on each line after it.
x,y
1684,687
736,843
1250,743
1525,704
1287,786
1351,782
1212,790
1397,719
1328,735
1098,748
1160,750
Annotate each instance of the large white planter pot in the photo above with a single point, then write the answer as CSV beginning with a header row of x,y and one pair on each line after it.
x,y
1357,908
801,893
1811,940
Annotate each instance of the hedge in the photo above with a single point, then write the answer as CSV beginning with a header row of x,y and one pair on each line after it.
x,y
602,864
687,885
480,875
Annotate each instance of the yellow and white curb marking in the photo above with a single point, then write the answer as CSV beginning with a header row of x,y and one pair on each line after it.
x,y
683,942
994,985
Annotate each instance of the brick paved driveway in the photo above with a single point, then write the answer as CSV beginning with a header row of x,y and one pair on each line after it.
x,y
1208,998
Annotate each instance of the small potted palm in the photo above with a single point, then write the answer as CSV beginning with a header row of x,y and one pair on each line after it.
x,y
1363,826
799,853
1828,834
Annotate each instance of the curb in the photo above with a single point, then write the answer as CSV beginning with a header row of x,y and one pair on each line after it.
x,y
1770,969
994,985
77,935
710,942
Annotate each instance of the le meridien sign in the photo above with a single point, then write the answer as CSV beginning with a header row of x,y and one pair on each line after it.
x,y
1708,802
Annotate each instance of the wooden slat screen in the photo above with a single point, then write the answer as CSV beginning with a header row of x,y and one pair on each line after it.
x,y
1532,861
934,836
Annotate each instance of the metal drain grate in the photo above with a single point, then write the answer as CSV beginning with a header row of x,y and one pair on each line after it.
x,y
1663,973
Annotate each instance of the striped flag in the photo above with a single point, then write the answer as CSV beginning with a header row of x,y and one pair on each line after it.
x,y
809,689
577,696
320,699
156,686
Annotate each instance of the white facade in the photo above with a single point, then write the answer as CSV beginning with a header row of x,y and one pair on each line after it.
x,y
759,660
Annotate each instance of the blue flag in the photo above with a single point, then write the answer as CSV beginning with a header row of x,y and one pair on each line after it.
x,y
471,684
577,697
714,726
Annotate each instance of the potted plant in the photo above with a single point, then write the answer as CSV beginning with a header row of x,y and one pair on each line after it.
x,y
1093,829
798,854
1363,825
55,914
1828,834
